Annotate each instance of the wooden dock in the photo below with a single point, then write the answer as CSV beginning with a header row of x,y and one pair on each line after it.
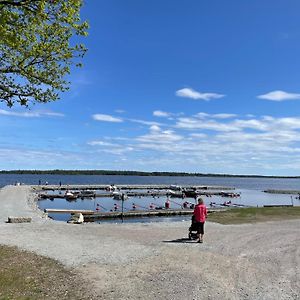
x,y
149,193
127,187
69,211
291,192
279,205
138,214
90,216
136,190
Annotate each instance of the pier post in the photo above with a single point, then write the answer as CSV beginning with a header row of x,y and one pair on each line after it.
x,y
122,213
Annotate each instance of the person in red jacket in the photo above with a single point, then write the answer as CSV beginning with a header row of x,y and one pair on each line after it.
x,y
200,213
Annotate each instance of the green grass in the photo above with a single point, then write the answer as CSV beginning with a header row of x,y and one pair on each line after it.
x,y
25,275
253,215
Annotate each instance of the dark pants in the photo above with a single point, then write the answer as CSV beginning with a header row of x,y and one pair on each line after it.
x,y
200,227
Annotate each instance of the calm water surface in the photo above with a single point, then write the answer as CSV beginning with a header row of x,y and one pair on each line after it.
x,y
237,182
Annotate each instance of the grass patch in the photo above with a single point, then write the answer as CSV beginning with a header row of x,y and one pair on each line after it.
x,y
25,275
254,214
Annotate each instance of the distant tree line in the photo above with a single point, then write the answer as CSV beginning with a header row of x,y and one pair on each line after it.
x,y
132,173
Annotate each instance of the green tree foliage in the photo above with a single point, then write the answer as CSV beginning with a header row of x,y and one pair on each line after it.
x,y
36,50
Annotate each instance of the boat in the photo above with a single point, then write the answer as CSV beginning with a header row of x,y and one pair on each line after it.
x,y
119,196
70,196
174,187
87,194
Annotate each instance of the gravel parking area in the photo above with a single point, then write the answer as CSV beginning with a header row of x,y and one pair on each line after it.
x,y
156,260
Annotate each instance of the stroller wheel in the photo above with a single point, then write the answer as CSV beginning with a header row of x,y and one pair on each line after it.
x,y
190,236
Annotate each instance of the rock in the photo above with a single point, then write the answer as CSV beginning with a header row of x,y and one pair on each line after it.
x,y
19,219
76,218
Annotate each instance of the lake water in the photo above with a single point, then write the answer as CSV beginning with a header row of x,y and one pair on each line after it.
x,y
250,189
237,182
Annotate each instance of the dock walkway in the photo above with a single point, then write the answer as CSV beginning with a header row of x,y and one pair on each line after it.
x,y
127,187
90,215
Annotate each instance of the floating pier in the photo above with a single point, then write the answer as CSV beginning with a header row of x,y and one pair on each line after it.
x,y
141,213
292,192
128,187
135,214
69,211
90,191
90,216
141,194
279,205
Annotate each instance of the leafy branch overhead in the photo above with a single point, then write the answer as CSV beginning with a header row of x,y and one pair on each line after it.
x,y
36,50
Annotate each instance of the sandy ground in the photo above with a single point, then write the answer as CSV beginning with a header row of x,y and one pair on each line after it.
x,y
157,261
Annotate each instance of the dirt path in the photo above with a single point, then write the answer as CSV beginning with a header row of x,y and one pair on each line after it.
x,y
156,261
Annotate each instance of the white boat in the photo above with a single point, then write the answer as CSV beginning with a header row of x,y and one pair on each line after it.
x,y
119,196
70,196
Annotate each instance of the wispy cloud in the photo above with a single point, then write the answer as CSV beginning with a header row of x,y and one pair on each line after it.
x,y
238,144
159,137
30,114
106,118
120,111
190,93
111,147
195,123
159,113
203,115
149,123
223,116
279,96
27,158
155,128
100,143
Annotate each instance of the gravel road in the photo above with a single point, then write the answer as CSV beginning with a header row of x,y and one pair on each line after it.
x,y
156,260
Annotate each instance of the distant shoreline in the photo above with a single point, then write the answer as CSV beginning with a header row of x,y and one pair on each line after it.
x,y
137,173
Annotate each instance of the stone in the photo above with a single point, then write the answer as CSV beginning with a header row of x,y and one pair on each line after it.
x,y
19,219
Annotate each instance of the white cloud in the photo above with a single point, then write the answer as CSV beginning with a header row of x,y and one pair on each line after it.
x,y
144,122
160,137
111,147
238,144
155,128
198,135
203,115
100,143
265,123
193,124
224,116
30,114
52,114
106,118
190,93
279,96
159,113
27,158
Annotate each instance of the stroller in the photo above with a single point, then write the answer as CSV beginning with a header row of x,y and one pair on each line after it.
x,y
193,230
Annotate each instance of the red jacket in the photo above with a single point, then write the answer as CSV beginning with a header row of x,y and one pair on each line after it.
x,y
200,213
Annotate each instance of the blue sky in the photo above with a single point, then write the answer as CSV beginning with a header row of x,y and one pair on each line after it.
x,y
205,86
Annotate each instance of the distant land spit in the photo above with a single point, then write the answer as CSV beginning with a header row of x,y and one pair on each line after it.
x,y
134,173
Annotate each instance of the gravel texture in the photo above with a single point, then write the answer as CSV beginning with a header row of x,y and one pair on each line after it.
x,y
156,260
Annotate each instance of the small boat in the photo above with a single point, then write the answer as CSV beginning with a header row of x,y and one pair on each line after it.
x,y
70,196
119,196
171,192
87,194
174,187
116,195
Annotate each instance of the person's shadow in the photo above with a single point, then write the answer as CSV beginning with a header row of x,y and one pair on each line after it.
x,y
182,240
